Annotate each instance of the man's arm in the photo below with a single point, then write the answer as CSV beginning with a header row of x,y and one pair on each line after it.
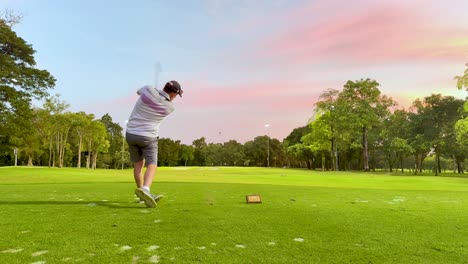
x,y
140,91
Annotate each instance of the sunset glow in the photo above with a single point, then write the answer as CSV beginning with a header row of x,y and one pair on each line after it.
x,y
243,64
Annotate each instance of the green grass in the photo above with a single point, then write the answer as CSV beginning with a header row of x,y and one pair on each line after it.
x,y
85,216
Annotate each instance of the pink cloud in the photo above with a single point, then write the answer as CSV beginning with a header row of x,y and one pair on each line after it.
x,y
272,95
373,33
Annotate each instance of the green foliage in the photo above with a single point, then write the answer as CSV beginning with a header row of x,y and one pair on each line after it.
x,y
462,81
461,127
186,154
296,135
20,81
200,152
233,153
116,142
433,126
168,152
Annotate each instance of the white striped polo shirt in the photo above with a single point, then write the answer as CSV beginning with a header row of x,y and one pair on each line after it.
x,y
149,111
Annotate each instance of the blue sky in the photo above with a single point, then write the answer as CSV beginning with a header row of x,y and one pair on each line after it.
x,y
241,63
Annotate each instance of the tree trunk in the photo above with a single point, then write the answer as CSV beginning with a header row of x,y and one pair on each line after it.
x,y
50,153
401,163
454,164
459,167
337,167
332,152
416,163
79,152
30,163
437,163
57,147
438,160
390,165
323,162
365,156
88,157
94,159
64,144
61,148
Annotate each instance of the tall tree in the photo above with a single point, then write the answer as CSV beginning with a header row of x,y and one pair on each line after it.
x,y
327,105
438,115
319,141
186,154
82,123
200,153
362,105
116,140
168,152
95,142
233,153
20,80
297,152
393,138
61,121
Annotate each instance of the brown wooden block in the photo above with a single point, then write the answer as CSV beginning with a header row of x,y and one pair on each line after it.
x,y
253,198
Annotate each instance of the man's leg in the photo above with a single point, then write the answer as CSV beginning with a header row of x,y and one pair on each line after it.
x,y
149,174
137,173
143,190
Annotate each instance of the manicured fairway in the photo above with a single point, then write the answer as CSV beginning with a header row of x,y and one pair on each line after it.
x,y
85,216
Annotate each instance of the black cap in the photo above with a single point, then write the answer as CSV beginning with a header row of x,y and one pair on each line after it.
x,y
174,87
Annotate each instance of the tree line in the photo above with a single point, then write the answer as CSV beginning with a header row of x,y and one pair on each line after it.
x,y
355,128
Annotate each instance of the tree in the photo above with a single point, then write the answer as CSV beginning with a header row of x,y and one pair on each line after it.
x,y
433,127
82,122
199,153
301,152
20,80
296,149
186,154
214,155
362,106
9,18
319,141
95,142
462,81
233,153
116,140
168,150
461,127
28,137
277,153
61,121
393,138
328,103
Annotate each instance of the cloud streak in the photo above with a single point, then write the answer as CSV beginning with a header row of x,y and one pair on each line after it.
x,y
371,34
274,65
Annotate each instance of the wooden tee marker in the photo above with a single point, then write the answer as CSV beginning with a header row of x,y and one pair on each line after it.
x,y
253,198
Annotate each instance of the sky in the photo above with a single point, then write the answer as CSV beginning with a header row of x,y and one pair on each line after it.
x,y
242,64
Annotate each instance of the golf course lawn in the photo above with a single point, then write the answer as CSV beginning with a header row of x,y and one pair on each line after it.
x,y
91,216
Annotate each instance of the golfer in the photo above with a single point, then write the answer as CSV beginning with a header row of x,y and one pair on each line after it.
x,y
143,133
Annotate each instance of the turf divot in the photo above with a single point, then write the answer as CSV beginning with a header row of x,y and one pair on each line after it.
x,y
38,253
12,250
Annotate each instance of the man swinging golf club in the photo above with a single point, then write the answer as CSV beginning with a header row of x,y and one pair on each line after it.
x,y
143,133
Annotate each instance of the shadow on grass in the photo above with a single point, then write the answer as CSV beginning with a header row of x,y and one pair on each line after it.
x,y
109,204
